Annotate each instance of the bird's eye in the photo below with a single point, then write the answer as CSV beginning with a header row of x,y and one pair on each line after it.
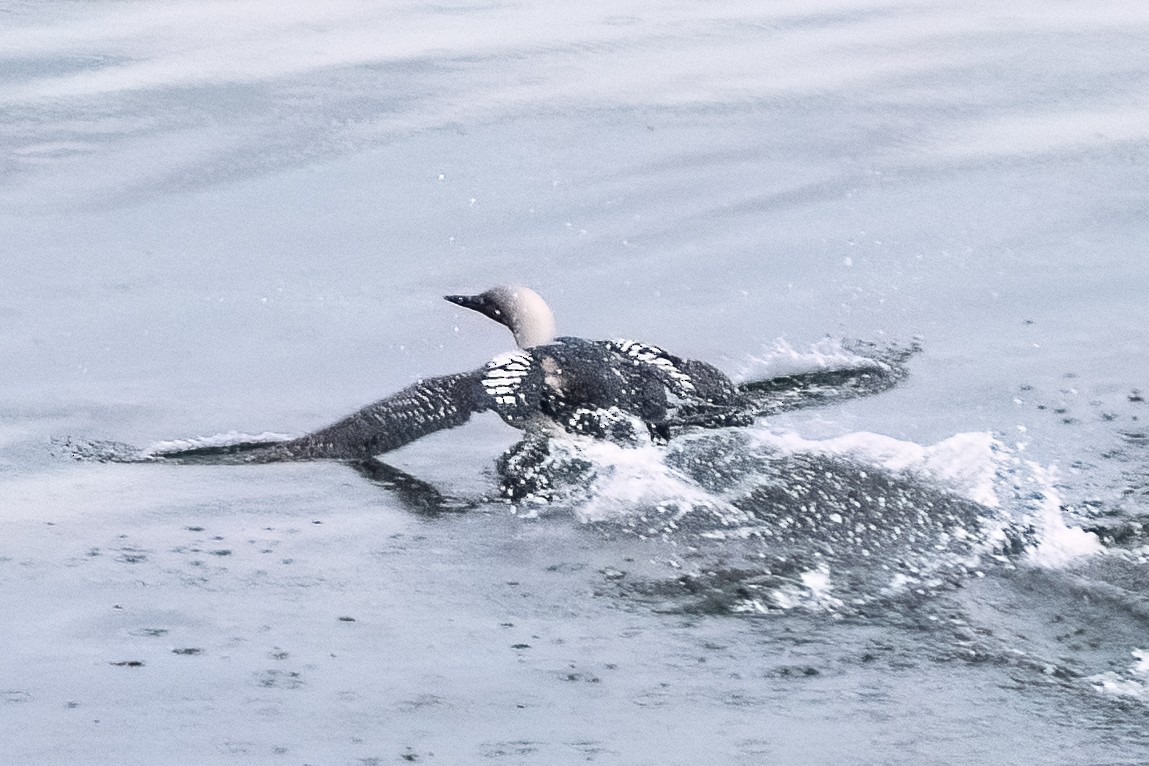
x,y
498,313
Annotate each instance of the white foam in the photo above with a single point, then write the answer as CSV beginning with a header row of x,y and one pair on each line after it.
x,y
227,439
1058,543
1132,683
974,465
629,478
820,587
965,463
813,589
783,359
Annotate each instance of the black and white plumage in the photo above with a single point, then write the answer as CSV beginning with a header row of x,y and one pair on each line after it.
x,y
418,410
612,389
624,391
595,387
606,389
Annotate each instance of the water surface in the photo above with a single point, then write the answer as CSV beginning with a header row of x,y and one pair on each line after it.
x,y
218,217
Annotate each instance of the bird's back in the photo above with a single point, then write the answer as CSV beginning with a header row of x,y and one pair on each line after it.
x,y
588,375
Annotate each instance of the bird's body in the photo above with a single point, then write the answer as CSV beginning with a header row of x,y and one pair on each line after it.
x,y
613,390
618,390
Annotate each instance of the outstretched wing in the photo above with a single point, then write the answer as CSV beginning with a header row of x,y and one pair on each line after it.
x,y
877,369
820,387
509,383
428,406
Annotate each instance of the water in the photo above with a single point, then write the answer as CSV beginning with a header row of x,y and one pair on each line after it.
x,y
218,217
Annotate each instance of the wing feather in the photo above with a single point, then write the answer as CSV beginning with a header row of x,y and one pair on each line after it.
x,y
431,405
689,379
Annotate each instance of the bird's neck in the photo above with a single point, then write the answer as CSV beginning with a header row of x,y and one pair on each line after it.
x,y
534,325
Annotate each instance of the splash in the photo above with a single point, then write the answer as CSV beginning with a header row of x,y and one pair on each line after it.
x,y
767,520
1133,682
1027,490
976,466
964,463
811,590
783,359
631,486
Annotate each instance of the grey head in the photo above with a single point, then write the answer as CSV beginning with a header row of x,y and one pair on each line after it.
x,y
519,308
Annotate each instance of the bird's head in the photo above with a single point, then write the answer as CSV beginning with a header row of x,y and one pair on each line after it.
x,y
520,309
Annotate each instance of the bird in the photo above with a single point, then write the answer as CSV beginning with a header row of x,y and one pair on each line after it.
x,y
619,390
624,391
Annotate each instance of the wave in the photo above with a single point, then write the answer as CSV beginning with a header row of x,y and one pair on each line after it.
x,y
762,520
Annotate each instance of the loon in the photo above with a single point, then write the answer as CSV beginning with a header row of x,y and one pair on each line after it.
x,y
622,391
610,389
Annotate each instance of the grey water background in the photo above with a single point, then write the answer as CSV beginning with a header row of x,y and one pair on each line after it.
x,y
218,217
